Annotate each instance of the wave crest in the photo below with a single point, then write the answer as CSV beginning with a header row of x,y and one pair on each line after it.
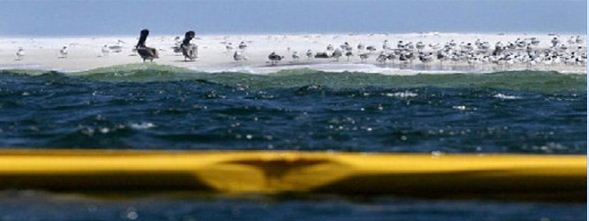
x,y
540,81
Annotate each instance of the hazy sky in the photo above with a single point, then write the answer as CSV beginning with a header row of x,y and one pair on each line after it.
x,y
56,18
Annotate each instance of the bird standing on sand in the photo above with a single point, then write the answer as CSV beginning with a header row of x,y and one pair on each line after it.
x,y
118,47
63,52
105,51
364,56
349,54
145,52
274,58
242,46
295,56
229,47
385,45
361,47
190,51
346,46
20,54
238,56
420,46
337,54
309,54
579,40
382,57
555,42
329,47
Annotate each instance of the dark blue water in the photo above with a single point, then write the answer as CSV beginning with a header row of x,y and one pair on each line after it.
x,y
45,206
159,107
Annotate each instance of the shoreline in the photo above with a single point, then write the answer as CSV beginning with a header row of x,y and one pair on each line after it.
x,y
84,53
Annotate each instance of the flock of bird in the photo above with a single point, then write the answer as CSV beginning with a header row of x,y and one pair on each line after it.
x,y
525,51
520,51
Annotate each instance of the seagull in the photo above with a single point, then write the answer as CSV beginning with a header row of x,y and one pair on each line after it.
x,y
20,54
349,54
535,41
238,56
346,47
361,46
309,54
364,56
400,45
420,45
571,40
385,45
295,56
63,52
242,45
329,47
382,57
336,54
435,46
105,50
425,58
117,48
274,58
229,47
555,42
579,39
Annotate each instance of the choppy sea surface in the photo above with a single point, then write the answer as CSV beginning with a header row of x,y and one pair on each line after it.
x,y
162,107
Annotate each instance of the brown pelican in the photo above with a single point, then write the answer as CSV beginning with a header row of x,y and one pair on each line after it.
x,y
190,51
145,52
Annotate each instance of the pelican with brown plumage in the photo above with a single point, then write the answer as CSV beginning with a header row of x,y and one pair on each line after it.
x,y
189,50
145,52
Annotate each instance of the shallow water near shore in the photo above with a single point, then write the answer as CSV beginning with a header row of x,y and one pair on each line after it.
x,y
162,107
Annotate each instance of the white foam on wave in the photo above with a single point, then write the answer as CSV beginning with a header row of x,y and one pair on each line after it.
x,y
403,94
506,97
27,66
142,125
330,68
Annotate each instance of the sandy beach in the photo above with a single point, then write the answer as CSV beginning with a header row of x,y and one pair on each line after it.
x,y
215,52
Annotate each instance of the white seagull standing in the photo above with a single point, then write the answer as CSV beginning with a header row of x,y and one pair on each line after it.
x,y
309,54
229,47
63,52
104,51
238,56
20,54
242,46
295,56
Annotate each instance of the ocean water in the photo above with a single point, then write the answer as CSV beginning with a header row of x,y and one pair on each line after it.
x,y
162,107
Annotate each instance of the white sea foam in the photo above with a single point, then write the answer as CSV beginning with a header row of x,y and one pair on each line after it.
x,y
142,125
404,94
506,97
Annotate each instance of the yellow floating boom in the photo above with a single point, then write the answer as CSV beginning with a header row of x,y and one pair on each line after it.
x,y
509,176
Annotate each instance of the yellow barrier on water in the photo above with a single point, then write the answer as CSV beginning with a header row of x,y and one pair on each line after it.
x,y
501,176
